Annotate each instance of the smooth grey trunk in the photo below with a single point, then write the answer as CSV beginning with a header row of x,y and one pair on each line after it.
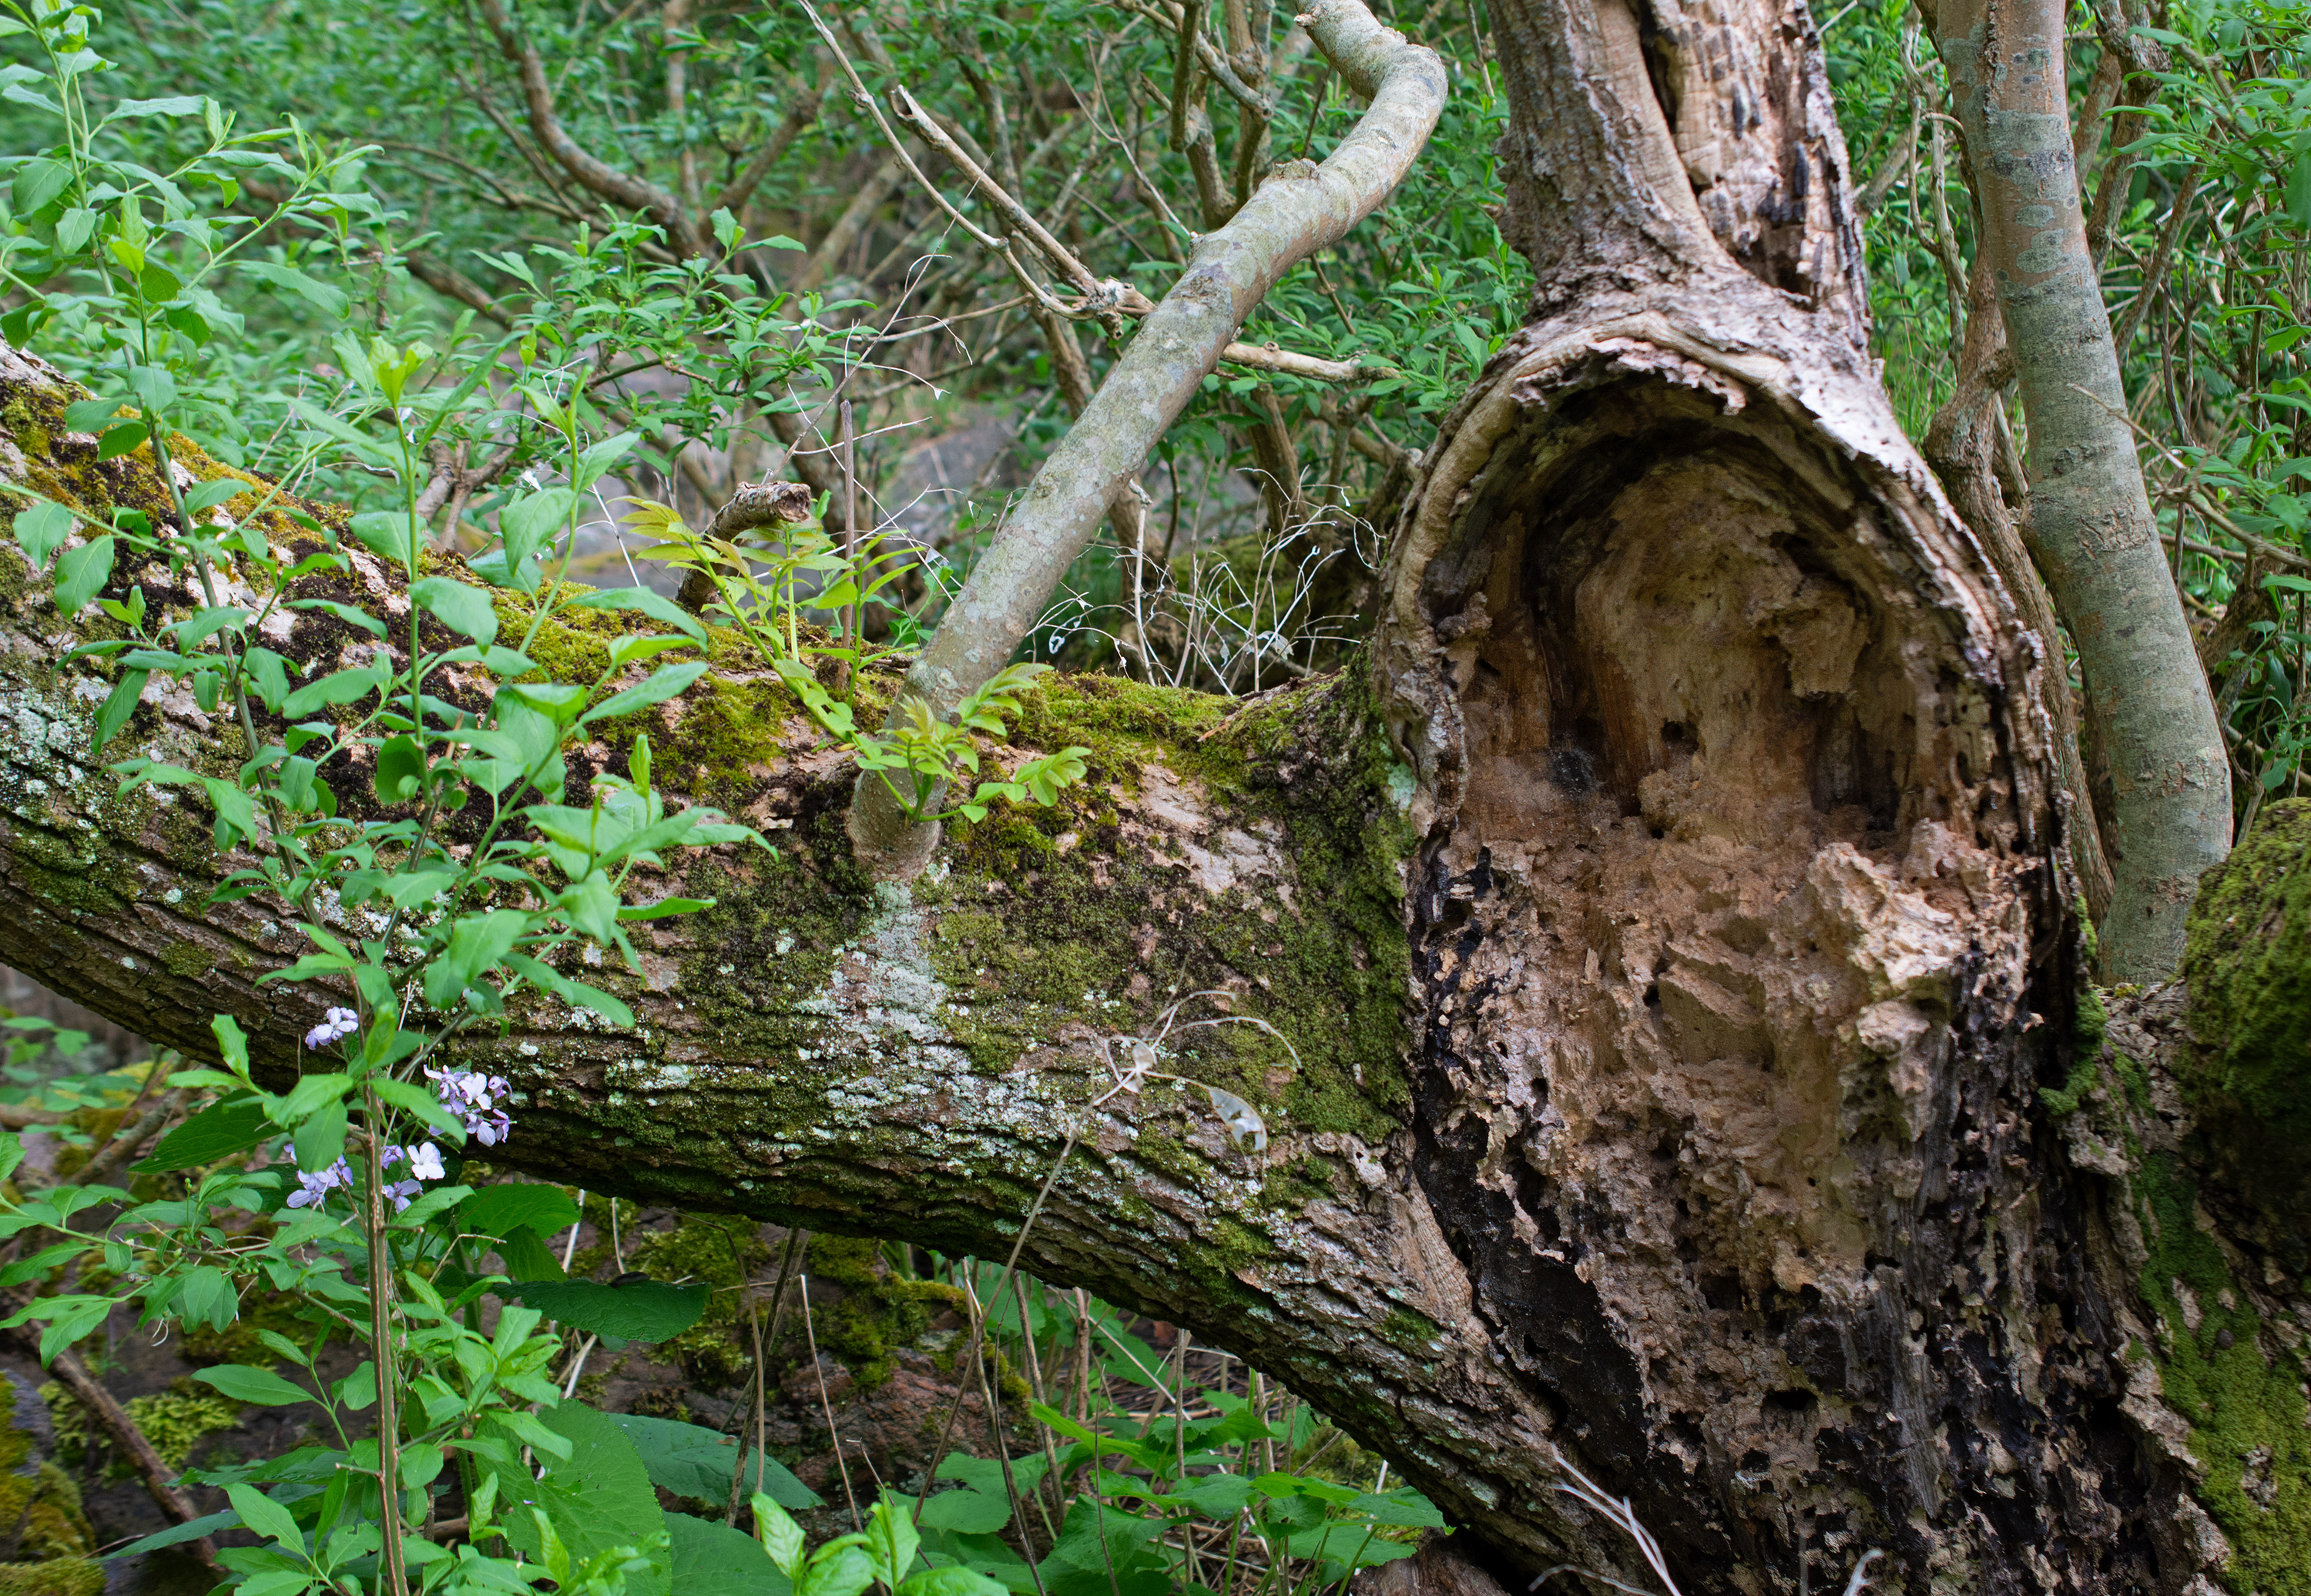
x,y
1293,215
2091,525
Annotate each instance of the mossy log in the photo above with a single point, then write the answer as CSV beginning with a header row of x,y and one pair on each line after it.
x,y
1674,1056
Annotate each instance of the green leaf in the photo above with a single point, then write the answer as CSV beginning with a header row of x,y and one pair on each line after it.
x,y
662,685
478,942
232,1042
836,1570
173,105
642,601
891,1540
595,1499
951,1582
527,1258
118,705
401,774
260,1388
261,1513
780,1536
711,1559
38,184
529,522
338,687
691,1460
2299,189
517,1205
347,613
384,533
598,459
321,1137
217,1131
41,530
80,572
208,495
330,302
208,1524
460,607
12,1154
124,439
417,1102
645,1310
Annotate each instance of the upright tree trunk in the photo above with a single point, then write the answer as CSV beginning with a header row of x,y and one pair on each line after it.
x,y
1678,1060
2090,520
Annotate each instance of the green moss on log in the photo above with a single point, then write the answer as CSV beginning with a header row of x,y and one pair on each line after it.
x,y
2239,1387
2248,1079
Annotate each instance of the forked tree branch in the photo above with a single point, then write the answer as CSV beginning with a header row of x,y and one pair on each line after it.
x,y
607,180
1291,217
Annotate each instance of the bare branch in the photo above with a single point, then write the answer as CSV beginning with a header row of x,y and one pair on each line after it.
x,y
1304,209
622,187
801,112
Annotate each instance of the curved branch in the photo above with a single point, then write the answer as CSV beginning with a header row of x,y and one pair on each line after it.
x,y
1233,269
621,187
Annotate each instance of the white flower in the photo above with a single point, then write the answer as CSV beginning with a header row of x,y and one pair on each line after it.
x,y
425,1162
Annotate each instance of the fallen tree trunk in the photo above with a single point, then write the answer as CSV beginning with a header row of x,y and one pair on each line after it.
x,y
1665,939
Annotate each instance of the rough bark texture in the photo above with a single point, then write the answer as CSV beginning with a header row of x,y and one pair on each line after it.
x,y
2090,520
1670,931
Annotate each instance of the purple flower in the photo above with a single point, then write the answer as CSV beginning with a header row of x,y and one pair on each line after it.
x,y
314,1188
474,1097
334,1026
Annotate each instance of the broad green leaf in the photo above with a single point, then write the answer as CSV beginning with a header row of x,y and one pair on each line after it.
x,y
401,774
478,942
38,184
658,607
599,457
837,1570
780,1536
261,1513
500,1210
330,302
644,1311
460,607
595,1499
385,533
41,530
692,1461
118,705
338,687
530,523
891,1540
208,1524
711,1559
217,1131
260,1388
81,572
208,495
951,1582
662,685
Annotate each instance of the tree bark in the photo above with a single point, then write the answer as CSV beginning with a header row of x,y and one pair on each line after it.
x,y
2090,519
1678,1034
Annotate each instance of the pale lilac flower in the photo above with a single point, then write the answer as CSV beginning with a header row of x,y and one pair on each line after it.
x,y
334,1026
314,1188
474,1097
425,1162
